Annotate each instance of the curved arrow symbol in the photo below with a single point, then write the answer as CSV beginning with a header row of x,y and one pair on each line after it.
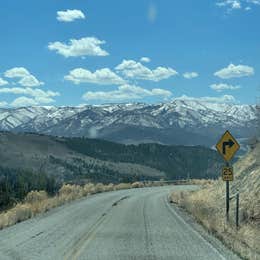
x,y
230,143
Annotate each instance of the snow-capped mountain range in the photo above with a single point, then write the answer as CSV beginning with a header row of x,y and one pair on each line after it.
x,y
185,122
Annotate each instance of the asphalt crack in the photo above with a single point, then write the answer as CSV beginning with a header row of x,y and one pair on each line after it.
x,y
36,235
148,242
118,201
80,245
83,241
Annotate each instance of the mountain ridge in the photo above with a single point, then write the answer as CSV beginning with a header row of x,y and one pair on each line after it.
x,y
185,122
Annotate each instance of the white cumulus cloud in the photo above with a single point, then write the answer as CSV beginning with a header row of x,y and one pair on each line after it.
x,y
233,4
17,72
3,103
26,78
24,101
145,59
256,2
190,75
87,46
30,81
126,92
237,4
222,99
222,86
136,70
39,96
70,15
235,71
102,77
3,82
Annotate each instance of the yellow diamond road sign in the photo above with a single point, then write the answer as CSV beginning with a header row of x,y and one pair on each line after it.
x,y
227,146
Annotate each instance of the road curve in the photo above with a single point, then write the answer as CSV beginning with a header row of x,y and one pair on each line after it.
x,y
128,224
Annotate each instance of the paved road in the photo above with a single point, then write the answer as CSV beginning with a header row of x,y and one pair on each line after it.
x,y
129,224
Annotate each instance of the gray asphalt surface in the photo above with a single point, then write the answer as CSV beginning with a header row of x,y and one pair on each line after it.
x,y
128,224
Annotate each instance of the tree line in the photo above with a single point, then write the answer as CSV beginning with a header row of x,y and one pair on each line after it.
x,y
16,183
178,162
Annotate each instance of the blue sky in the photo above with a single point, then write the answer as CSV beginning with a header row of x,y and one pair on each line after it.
x,y
90,52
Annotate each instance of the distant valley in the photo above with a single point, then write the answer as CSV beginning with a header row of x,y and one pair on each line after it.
x,y
40,162
83,159
43,147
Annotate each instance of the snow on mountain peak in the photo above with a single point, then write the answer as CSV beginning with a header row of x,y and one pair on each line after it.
x,y
193,116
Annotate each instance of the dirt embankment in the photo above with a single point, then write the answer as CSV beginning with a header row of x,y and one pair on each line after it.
x,y
208,206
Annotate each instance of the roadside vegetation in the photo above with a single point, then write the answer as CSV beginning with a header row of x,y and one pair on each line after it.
x,y
40,201
207,205
36,202
15,184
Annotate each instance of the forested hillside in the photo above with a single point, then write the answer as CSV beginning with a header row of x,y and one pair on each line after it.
x,y
178,162
16,183
39,162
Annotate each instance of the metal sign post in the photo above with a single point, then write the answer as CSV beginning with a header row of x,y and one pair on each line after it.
x,y
237,210
227,201
227,198
227,147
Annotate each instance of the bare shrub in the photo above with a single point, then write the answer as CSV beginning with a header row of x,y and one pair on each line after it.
x,y
109,187
17,214
137,185
36,196
123,186
89,188
3,220
99,188
71,192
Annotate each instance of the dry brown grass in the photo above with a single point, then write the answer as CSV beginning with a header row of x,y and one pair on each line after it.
x,y
137,185
37,202
207,205
203,206
200,182
123,186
